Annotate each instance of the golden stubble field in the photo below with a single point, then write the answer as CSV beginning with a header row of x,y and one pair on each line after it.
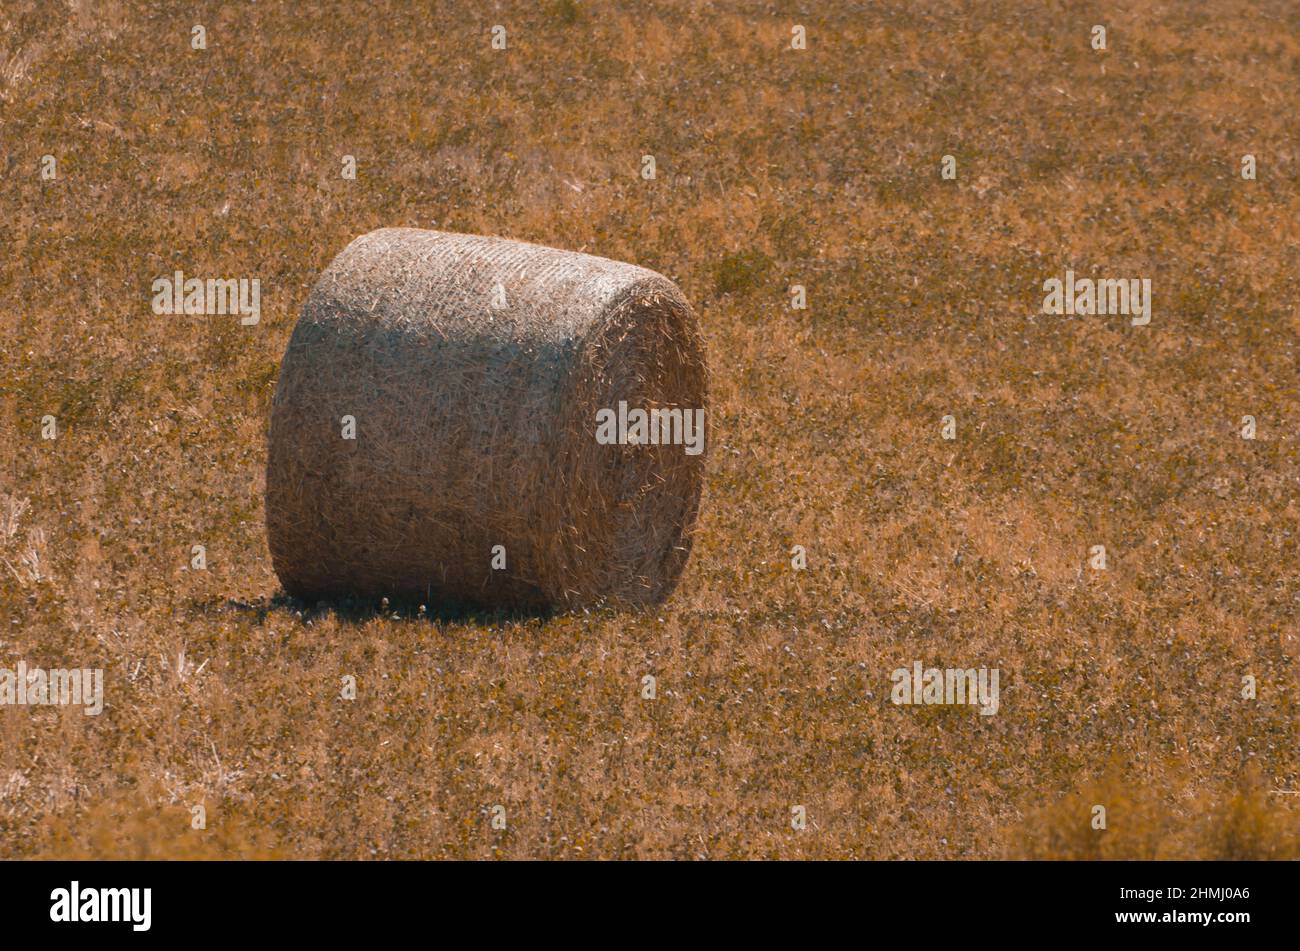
x,y
775,167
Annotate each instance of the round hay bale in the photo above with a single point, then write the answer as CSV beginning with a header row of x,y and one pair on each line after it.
x,y
473,370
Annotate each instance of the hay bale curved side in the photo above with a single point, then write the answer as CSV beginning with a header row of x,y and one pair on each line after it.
x,y
474,368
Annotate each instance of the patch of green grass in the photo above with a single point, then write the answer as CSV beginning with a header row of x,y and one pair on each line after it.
x,y
741,271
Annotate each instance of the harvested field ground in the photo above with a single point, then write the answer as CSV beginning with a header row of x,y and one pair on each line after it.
x,y
1124,687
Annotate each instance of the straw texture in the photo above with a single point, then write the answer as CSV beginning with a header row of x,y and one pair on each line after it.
x,y
474,368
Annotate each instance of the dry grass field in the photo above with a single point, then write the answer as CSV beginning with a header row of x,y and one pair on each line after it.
x,y
776,166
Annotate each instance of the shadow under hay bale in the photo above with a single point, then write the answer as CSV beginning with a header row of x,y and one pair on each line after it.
x,y
356,611
433,430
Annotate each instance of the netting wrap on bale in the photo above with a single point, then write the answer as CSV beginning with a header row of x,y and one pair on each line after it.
x,y
435,419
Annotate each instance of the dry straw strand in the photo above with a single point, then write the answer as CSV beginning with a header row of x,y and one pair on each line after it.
x,y
475,427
